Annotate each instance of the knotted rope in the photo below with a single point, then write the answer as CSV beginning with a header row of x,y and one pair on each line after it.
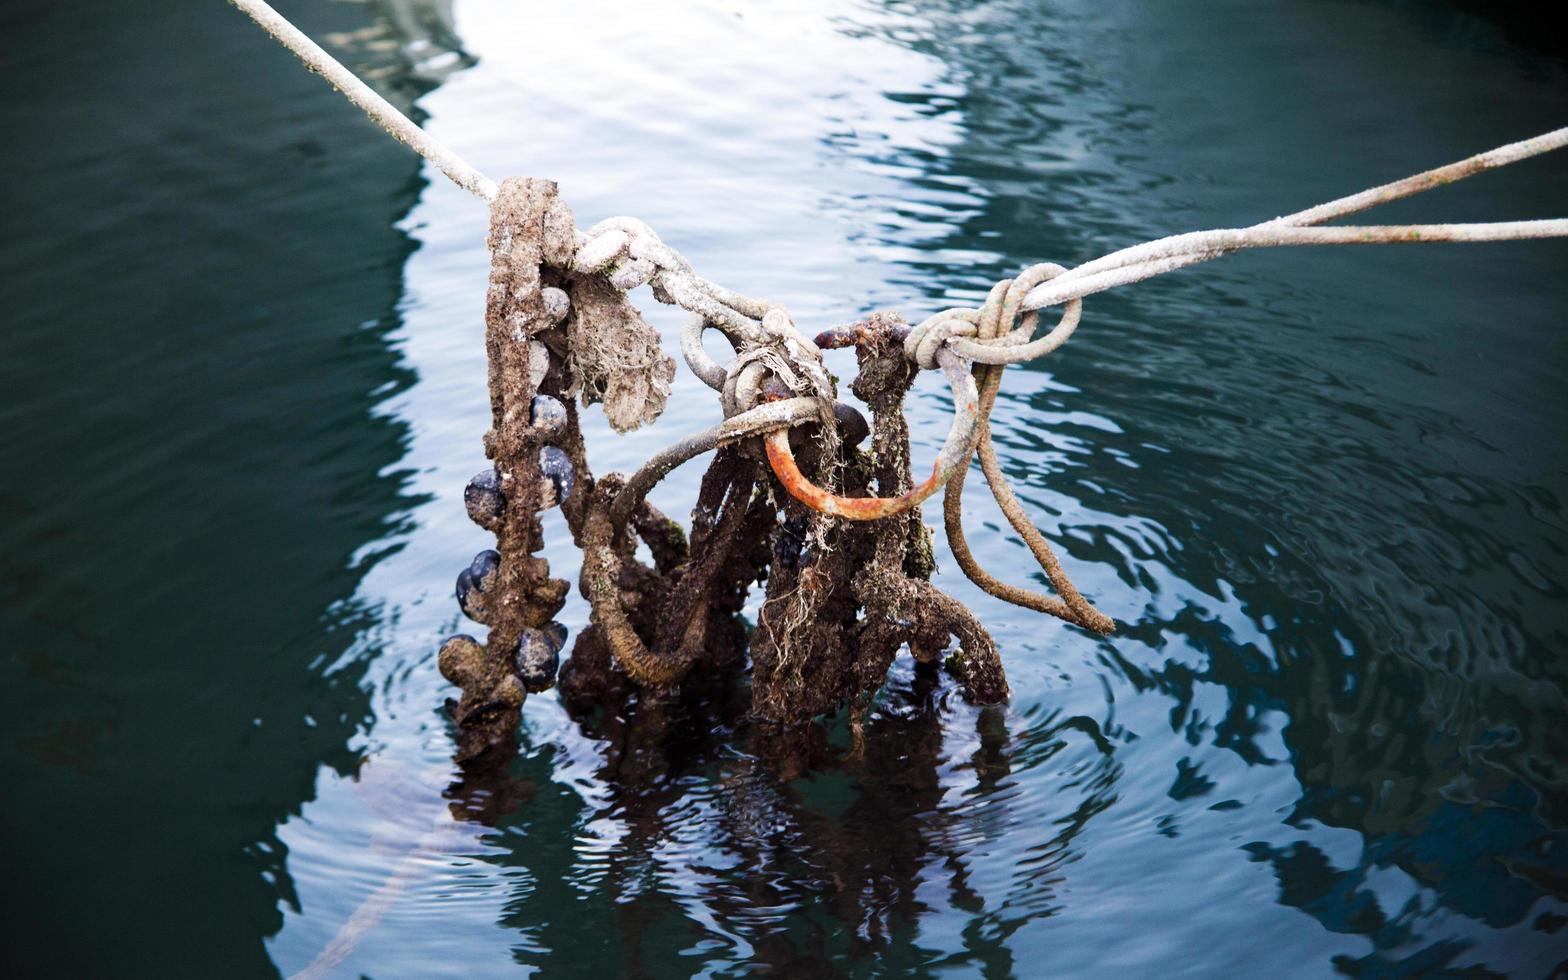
x,y
1000,311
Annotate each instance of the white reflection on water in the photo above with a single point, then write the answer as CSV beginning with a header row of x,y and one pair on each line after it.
x,y
756,140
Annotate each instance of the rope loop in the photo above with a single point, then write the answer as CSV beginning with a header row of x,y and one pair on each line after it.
x,y
930,334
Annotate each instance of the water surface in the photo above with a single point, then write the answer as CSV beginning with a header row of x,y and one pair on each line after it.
x,y
1322,490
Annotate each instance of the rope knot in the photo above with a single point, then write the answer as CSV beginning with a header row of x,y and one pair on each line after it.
x,y
994,334
778,352
930,334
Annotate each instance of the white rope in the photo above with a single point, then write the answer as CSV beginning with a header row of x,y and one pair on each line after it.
x,y
1179,251
384,113
1163,255
625,250
630,254
1197,248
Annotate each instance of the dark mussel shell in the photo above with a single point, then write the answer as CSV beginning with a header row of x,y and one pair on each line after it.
x,y
483,499
476,586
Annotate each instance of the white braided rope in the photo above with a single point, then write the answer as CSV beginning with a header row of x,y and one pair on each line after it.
x,y
630,254
1157,257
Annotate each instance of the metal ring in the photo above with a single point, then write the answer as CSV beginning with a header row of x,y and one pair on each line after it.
x,y
960,445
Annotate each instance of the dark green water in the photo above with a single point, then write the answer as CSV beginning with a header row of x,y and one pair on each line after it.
x,y
1324,492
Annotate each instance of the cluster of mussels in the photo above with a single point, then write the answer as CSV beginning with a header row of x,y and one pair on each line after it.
x,y
537,652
